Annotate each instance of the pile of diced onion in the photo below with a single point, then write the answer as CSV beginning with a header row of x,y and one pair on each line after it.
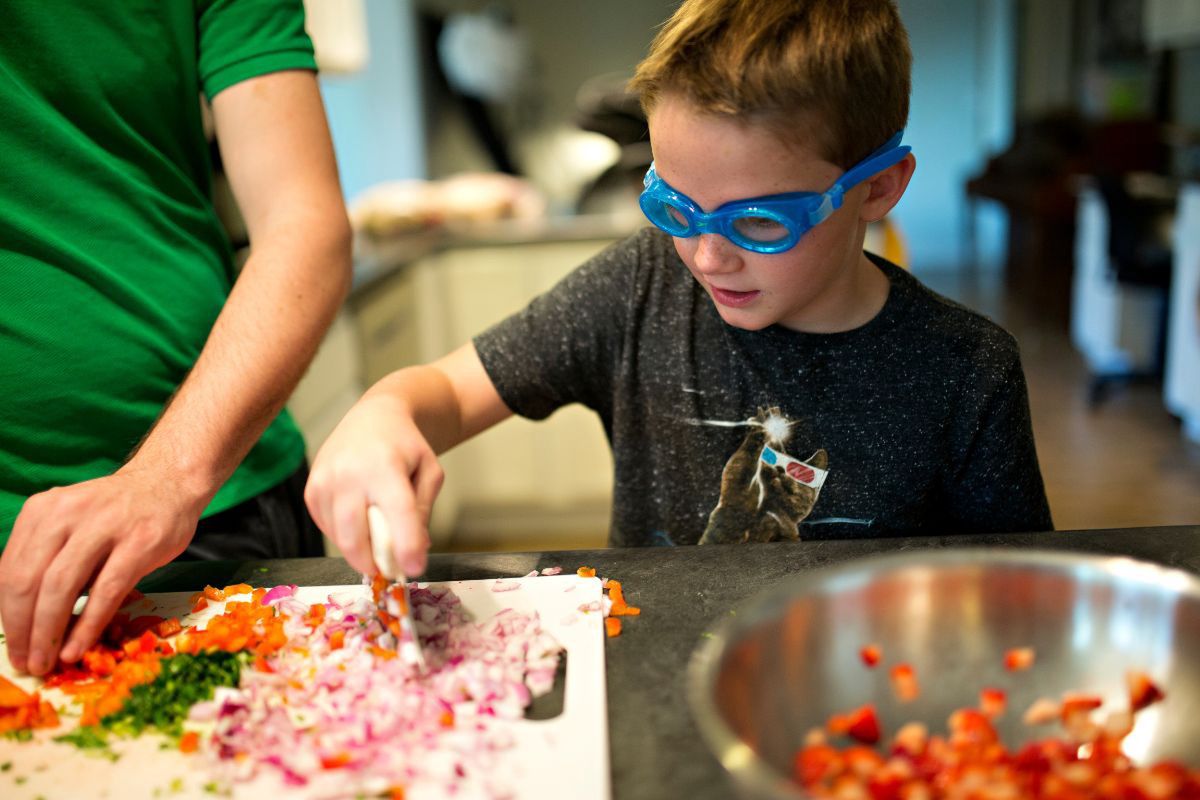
x,y
336,714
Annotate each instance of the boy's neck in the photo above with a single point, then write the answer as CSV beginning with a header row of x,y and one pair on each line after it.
x,y
856,300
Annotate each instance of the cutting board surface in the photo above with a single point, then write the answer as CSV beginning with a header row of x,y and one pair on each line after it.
x,y
566,755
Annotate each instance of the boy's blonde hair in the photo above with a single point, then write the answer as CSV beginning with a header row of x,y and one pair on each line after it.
x,y
832,73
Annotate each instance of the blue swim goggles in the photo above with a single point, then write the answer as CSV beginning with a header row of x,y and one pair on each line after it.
x,y
769,224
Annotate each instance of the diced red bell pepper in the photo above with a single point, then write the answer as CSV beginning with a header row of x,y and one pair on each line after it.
x,y
168,627
870,654
904,683
1142,690
992,702
816,763
189,742
864,724
1018,658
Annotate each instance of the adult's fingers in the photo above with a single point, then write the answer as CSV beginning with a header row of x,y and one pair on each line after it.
x,y
120,573
62,582
22,567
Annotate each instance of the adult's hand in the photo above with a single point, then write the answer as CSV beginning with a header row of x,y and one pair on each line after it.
x,y
105,534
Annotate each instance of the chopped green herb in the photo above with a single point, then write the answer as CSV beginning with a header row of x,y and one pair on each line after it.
x,y
20,780
19,735
707,635
176,785
6,766
3,638
211,787
86,737
184,681
262,569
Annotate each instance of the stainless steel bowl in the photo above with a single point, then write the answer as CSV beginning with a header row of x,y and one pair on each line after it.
x,y
780,665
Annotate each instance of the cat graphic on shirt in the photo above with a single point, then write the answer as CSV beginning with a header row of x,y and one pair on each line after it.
x,y
760,502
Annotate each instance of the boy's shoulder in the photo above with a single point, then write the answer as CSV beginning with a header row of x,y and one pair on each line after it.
x,y
931,321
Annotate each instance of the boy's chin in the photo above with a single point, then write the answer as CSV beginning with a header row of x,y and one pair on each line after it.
x,y
744,321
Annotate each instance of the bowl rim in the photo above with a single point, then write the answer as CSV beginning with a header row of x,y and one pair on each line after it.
x,y
739,760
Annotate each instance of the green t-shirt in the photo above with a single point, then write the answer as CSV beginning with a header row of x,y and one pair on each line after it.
x,y
113,263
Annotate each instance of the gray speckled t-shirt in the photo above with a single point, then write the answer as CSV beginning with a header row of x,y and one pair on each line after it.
x,y
916,422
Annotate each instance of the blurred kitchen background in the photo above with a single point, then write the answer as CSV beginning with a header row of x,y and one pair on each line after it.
x,y
487,148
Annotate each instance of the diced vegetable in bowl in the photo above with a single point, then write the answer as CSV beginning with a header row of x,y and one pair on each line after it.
x,y
908,675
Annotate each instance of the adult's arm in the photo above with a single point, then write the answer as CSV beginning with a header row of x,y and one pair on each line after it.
x,y
109,532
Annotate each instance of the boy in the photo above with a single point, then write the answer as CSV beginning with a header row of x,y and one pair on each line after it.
x,y
785,339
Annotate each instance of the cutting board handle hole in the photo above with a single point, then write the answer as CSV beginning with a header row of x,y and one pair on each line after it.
x,y
550,705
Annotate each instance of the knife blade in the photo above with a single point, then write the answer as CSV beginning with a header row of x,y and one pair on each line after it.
x,y
390,590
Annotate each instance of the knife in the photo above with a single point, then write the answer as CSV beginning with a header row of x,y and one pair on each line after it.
x,y
390,589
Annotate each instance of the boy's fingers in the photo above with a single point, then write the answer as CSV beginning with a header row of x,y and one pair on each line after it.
x,y
409,536
349,530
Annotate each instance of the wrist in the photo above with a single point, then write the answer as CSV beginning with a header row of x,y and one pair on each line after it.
x,y
190,483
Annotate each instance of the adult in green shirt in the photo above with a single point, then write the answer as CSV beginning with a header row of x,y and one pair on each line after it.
x,y
142,385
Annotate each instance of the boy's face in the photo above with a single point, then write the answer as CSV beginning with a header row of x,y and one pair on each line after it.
x,y
824,283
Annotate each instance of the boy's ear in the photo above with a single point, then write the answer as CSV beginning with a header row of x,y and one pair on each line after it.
x,y
885,189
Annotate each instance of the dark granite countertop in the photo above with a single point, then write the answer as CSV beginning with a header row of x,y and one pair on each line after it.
x,y
654,746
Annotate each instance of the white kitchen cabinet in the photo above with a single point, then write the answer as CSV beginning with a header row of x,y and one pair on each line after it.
x,y
421,310
557,463
1181,385
331,385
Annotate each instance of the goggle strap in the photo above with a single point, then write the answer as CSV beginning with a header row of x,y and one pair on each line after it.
x,y
890,154
831,201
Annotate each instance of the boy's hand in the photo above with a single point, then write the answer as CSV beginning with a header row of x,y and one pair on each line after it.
x,y
376,456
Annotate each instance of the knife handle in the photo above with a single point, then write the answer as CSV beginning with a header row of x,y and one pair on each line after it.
x,y
381,543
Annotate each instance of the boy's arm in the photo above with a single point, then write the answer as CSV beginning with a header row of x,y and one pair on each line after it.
x,y
384,453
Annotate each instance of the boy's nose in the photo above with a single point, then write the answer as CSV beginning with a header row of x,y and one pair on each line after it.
x,y
715,254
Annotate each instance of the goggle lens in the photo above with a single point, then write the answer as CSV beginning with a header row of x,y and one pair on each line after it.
x,y
666,216
761,229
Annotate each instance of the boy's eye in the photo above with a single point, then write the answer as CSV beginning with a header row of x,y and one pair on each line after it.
x,y
677,216
761,229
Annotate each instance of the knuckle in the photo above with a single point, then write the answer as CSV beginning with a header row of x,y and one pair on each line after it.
x,y
107,590
437,475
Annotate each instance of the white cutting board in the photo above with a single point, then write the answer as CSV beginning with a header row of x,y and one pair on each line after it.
x,y
563,756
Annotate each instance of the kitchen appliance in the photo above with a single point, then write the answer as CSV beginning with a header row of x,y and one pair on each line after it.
x,y
788,659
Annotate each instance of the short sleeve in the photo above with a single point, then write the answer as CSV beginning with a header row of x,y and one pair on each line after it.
x,y
564,347
242,39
